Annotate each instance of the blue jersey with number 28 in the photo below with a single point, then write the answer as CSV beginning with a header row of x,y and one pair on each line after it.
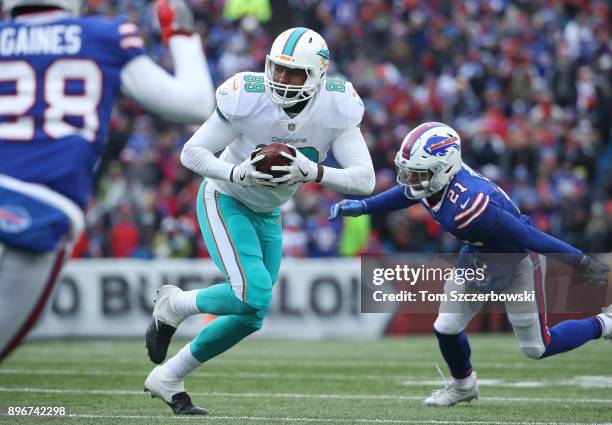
x,y
58,82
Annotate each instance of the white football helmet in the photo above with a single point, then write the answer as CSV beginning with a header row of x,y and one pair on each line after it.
x,y
299,48
429,158
72,6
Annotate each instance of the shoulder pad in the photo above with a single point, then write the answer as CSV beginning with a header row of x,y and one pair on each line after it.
x,y
238,96
118,38
470,206
348,106
111,28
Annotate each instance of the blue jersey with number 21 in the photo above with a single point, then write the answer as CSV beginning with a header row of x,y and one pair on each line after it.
x,y
481,215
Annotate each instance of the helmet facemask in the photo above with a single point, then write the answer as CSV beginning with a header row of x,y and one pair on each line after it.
x,y
421,183
296,48
286,95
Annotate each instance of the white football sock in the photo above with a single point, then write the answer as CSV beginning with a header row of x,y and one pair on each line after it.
x,y
606,322
183,363
185,303
467,382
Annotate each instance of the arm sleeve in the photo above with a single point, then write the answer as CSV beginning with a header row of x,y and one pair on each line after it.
x,y
186,97
389,200
357,173
198,153
496,221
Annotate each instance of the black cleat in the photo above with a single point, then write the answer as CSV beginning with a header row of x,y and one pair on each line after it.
x,y
181,405
158,338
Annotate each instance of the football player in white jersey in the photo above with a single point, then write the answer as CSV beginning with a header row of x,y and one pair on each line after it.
x,y
293,103
63,73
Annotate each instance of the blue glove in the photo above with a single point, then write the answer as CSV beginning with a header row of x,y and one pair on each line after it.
x,y
347,207
593,271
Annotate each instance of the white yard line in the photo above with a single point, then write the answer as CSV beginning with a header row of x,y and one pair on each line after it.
x,y
308,363
320,420
294,395
409,381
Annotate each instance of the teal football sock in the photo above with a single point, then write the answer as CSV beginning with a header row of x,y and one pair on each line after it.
x,y
220,300
219,336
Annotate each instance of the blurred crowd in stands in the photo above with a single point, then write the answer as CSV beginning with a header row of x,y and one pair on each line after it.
x,y
528,85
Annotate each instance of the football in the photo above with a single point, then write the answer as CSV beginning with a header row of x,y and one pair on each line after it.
x,y
272,153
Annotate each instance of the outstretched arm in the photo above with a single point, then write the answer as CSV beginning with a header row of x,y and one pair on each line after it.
x,y
389,200
496,221
186,97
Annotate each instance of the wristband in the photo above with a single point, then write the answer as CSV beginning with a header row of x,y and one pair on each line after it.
x,y
319,173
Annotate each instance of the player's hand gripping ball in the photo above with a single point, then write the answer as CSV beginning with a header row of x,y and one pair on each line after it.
x,y
247,174
272,156
299,170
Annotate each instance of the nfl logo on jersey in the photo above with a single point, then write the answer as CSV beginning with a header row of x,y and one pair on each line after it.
x,y
291,126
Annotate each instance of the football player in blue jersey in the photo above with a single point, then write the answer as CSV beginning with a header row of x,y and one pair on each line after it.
x,y
59,76
480,214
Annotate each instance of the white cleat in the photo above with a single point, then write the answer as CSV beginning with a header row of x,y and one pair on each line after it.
x,y
164,310
163,384
605,318
452,394
163,324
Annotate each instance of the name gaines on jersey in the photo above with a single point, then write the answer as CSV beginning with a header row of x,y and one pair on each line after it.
x,y
40,40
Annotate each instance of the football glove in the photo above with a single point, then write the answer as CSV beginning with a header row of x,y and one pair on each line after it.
x,y
174,17
347,207
300,170
593,271
245,174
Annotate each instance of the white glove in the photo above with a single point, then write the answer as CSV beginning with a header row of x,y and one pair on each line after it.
x,y
301,169
245,174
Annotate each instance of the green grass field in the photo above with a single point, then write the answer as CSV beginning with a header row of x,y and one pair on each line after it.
x,y
326,382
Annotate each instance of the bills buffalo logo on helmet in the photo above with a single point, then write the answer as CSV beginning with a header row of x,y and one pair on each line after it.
x,y
439,145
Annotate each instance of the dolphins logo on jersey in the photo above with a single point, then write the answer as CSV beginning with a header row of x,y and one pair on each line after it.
x,y
439,145
14,219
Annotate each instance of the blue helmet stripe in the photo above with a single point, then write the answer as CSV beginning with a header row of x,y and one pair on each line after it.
x,y
292,41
